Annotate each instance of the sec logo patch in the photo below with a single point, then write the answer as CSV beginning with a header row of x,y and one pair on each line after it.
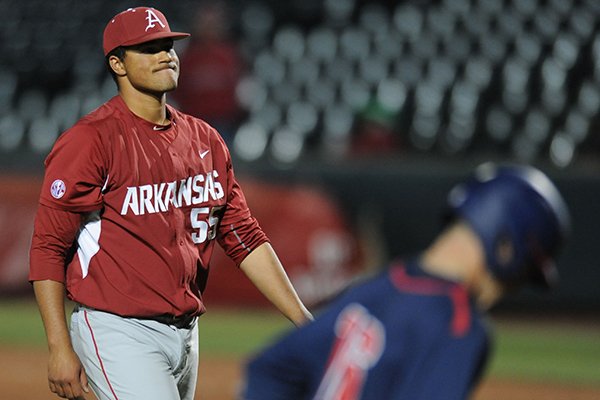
x,y
58,189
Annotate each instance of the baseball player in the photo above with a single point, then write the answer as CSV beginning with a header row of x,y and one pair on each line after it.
x,y
135,196
417,330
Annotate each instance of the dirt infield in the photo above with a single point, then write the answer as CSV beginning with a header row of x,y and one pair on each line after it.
x,y
23,377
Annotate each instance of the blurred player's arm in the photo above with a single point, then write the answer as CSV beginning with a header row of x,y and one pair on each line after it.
x,y
53,236
263,268
281,371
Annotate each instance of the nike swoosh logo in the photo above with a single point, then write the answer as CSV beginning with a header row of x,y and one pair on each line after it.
x,y
159,128
203,154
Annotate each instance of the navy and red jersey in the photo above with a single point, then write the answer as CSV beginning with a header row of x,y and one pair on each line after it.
x,y
130,211
402,334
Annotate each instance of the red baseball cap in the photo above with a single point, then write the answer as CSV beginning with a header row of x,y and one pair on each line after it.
x,y
137,25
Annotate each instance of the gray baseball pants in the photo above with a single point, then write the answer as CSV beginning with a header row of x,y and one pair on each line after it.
x,y
135,359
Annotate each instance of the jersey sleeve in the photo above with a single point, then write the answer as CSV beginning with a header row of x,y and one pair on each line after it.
x,y
75,171
54,232
239,232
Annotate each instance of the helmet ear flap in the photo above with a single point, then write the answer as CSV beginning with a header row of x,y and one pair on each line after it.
x,y
504,251
506,256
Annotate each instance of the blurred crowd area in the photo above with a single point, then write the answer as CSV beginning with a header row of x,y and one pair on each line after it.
x,y
291,80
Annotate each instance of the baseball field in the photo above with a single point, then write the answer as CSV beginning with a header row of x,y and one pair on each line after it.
x,y
549,358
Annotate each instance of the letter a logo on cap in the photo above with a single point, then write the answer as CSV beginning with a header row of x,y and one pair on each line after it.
x,y
152,18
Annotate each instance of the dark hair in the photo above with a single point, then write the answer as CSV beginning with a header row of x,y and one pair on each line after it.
x,y
118,52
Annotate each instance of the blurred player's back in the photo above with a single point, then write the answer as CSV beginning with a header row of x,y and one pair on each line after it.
x,y
380,337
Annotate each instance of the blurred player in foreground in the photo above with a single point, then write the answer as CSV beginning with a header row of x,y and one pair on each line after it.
x,y
418,330
135,196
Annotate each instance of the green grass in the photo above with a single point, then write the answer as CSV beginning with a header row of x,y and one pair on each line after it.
x,y
232,332
557,353
542,352
20,324
239,332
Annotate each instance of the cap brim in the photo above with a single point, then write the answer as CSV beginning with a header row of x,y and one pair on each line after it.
x,y
149,38
156,36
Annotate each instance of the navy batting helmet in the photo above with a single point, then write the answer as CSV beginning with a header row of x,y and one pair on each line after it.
x,y
520,217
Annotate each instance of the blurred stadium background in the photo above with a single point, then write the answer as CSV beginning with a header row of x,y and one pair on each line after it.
x,y
455,78
356,118
442,85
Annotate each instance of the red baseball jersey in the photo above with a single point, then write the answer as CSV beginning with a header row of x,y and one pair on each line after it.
x,y
129,212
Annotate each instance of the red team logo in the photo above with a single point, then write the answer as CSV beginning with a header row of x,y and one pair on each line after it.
x,y
58,189
360,343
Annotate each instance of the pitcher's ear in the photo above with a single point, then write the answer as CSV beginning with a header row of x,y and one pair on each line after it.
x,y
117,65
